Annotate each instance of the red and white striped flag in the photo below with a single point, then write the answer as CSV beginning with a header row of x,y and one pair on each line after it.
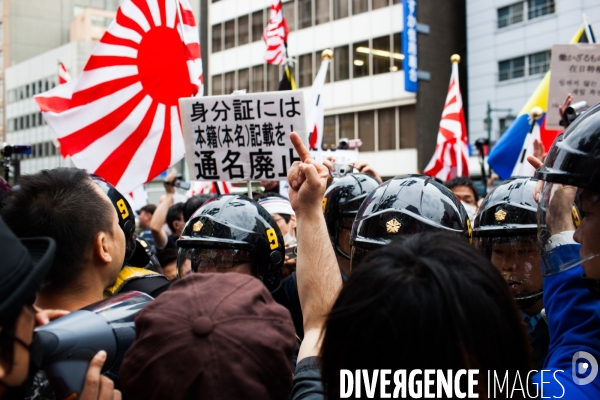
x,y
275,35
63,74
120,118
451,150
204,187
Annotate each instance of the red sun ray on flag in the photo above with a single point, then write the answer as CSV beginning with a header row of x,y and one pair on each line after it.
x,y
120,118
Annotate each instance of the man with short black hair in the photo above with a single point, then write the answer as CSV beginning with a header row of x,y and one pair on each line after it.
x,y
65,204
144,217
466,192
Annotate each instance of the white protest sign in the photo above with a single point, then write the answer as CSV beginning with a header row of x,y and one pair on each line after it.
x,y
242,137
576,70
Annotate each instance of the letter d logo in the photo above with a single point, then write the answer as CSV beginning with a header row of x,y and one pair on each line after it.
x,y
583,367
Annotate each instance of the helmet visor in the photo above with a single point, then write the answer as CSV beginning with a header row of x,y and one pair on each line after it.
x,y
191,260
518,260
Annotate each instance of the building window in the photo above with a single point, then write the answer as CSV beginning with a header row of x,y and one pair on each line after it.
x,y
341,63
382,55
230,34
347,126
229,82
408,127
360,6
538,8
397,52
258,25
273,77
366,130
360,59
216,38
329,139
511,69
243,30
322,11
539,63
304,14
305,70
41,120
289,12
217,85
340,9
510,14
380,4
258,79
386,124
244,79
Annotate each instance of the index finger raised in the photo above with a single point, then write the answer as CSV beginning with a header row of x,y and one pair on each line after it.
x,y
302,151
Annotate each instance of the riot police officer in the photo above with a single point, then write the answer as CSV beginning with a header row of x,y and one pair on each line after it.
x,y
505,231
340,206
406,205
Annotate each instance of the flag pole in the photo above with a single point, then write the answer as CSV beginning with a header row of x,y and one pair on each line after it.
x,y
455,59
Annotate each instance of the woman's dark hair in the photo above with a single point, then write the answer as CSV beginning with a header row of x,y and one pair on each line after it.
x,y
425,301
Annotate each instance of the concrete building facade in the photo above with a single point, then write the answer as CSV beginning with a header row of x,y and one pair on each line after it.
x,y
509,45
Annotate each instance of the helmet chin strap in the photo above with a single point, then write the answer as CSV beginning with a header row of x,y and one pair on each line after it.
x,y
528,301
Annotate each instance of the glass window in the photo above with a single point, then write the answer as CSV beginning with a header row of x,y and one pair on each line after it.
x,y
243,30
216,38
26,121
40,119
380,4
258,25
305,70
321,11
217,85
397,52
26,91
258,79
230,34
510,14
360,59
229,82
34,120
273,77
381,55
539,63
347,126
329,141
386,123
340,9
289,12
244,79
341,66
366,130
304,13
46,85
360,6
408,127
511,69
538,8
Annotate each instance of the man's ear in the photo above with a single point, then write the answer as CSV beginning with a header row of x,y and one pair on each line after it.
x,y
101,248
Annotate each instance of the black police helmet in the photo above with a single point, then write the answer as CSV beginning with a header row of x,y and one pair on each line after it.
x,y
238,222
406,205
342,200
124,211
509,210
574,158
144,256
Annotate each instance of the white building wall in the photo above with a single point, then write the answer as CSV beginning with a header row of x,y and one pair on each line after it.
x,y
351,95
487,45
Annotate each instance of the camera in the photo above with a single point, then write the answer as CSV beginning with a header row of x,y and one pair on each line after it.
x,y
9,149
572,112
482,144
342,170
178,182
292,251
349,144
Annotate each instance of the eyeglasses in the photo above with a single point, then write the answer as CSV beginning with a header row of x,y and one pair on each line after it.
x,y
202,259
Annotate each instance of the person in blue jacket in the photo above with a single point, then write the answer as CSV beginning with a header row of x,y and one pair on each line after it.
x,y
569,235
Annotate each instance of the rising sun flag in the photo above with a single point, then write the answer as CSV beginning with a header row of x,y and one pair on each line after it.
x,y
120,118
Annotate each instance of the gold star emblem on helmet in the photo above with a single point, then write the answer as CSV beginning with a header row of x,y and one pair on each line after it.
x,y
197,226
500,215
393,226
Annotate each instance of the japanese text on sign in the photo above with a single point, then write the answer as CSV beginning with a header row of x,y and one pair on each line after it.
x,y
576,70
242,137
409,43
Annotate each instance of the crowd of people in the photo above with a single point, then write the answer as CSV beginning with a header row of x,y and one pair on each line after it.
x,y
272,297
